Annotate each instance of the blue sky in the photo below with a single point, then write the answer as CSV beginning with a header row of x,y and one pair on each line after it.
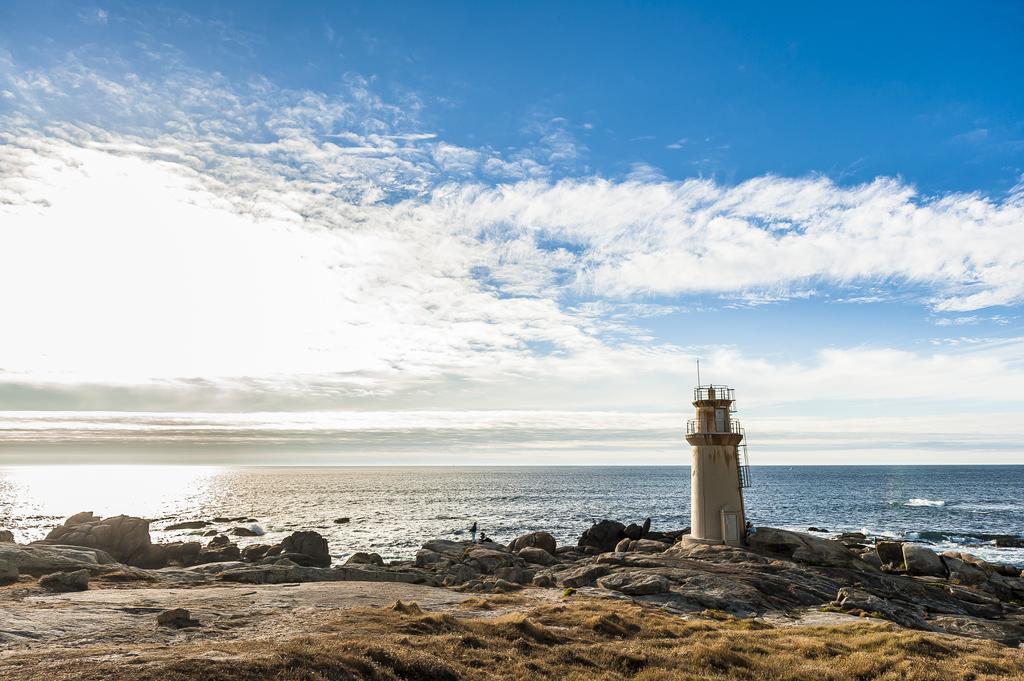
x,y
543,209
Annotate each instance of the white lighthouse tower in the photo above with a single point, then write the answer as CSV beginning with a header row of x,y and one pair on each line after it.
x,y
717,475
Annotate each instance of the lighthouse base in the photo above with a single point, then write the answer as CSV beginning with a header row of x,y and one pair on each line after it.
x,y
690,540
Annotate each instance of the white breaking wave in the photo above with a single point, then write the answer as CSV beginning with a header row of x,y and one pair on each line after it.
x,y
925,502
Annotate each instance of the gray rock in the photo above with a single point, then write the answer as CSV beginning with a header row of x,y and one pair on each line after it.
x,y
921,560
6,537
635,583
538,556
584,575
802,548
623,545
363,558
856,601
281,574
76,580
541,540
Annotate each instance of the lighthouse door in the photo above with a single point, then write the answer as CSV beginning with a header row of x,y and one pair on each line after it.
x,y
719,420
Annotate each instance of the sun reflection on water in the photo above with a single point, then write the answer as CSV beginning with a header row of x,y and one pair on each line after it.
x,y
46,492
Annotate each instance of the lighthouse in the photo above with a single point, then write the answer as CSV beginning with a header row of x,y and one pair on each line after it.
x,y
717,474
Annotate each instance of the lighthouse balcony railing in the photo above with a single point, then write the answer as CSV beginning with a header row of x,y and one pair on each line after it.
x,y
694,426
714,392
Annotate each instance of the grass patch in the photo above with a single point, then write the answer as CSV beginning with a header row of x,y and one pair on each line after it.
x,y
581,639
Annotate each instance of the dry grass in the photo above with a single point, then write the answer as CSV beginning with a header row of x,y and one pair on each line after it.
x,y
580,639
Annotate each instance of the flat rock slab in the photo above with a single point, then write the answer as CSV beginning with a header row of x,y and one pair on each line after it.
x,y
128,616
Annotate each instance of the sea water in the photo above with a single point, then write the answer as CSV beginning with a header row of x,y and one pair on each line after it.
x,y
394,510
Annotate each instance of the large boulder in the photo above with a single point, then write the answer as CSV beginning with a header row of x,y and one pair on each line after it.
x,y
310,544
584,575
921,560
6,537
802,548
124,537
603,535
540,540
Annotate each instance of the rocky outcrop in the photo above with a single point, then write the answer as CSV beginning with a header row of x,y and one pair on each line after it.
x,y
803,548
125,538
540,540
6,537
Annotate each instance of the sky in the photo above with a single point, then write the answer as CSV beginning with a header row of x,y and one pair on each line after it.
x,y
450,233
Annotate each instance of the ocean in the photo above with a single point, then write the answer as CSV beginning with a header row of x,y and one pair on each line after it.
x,y
393,510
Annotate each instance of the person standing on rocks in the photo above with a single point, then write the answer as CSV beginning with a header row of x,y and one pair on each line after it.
x,y
472,531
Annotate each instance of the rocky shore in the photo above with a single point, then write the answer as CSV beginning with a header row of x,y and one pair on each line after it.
x,y
780,578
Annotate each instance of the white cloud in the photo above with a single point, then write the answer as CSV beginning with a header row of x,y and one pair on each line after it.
x,y
185,239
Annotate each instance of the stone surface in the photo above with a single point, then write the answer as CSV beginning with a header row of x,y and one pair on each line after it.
x,y
584,575
637,583
76,580
623,545
541,540
603,535
921,560
6,537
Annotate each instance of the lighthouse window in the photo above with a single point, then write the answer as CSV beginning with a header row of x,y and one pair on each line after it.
x,y
719,420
